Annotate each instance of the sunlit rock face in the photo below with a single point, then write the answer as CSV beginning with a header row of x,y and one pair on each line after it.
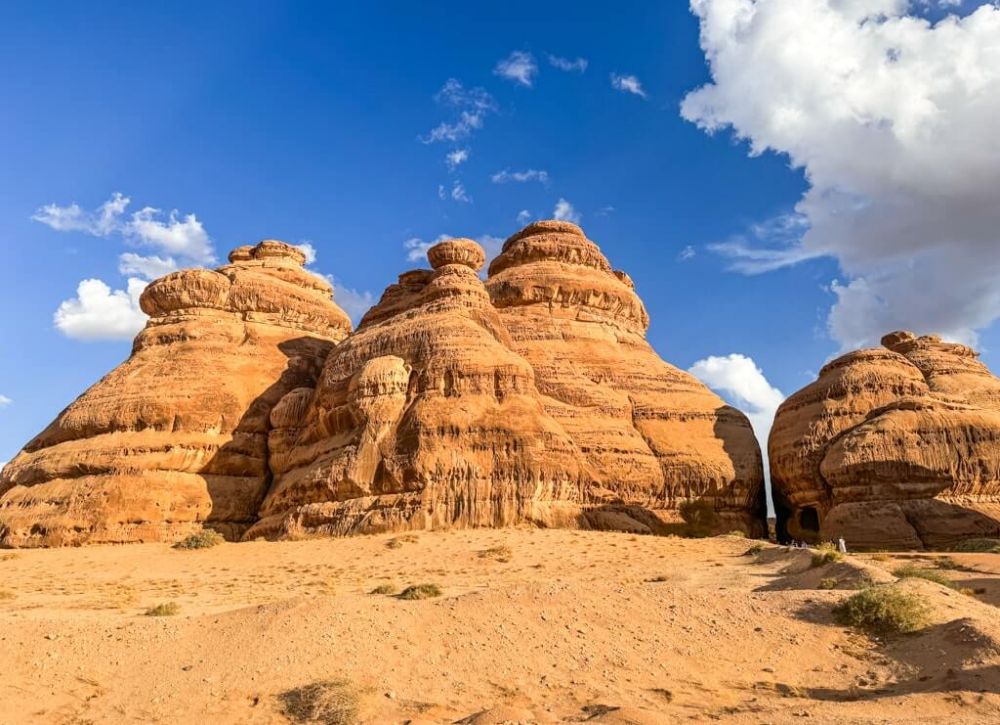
x,y
532,399
650,435
176,436
891,447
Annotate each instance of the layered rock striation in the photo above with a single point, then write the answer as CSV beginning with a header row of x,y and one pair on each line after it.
x,y
176,436
534,398
891,447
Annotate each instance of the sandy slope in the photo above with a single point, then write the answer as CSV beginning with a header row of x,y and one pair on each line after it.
x,y
570,628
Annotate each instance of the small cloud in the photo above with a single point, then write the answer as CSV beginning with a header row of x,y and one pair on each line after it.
x,y
150,268
627,84
455,158
606,210
442,194
492,246
416,248
98,313
458,193
564,211
520,177
523,216
519,67
580,64
472,105
687,253
309,250
4,402
355,303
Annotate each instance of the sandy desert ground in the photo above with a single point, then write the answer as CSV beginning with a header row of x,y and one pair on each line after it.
x,y
532,626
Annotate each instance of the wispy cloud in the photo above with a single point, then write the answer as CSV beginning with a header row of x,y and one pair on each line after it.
x,y
471,106
5,401
519,67
580,64
565,211
453,159
685,254
627,84
523,216
767,246
458,193
505,176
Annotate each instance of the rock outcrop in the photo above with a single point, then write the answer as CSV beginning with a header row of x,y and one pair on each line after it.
x,y
176,436
534,398
897,447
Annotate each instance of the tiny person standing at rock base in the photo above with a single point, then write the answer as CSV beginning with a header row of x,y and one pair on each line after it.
x,y
841,545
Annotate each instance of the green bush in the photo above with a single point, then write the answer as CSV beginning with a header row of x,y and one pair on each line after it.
x,y
204,539
882,610
983,546
912,571
421,591
700,517
826,553
828,583
167,609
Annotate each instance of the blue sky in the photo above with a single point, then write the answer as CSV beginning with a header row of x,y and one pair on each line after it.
x,y
312,124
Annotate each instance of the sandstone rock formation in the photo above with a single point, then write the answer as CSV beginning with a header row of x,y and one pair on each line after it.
x,y
534,398
176,436
891,447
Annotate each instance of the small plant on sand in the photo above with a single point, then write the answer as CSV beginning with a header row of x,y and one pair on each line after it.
x,y
882,610
420,591
912,571
398,541
384,589
828,583
167,609
982,546
826,553
658,579
880,556
738,534
700,517
503,554
754,550
946,562
328,702
204,539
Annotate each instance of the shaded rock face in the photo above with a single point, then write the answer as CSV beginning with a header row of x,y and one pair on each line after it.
x,y
897,447
533,398
176,436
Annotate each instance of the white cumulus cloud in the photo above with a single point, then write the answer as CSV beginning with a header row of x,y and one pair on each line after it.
x,y
627,84
565,211
100,313
519,67
893,120
455,158
149,268
524,216
737,378
4,402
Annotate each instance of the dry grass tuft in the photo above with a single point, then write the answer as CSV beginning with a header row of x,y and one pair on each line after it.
x,y
912,571
503,554
331,702
420,591
982,546
828,583
204,539
385,589
826,553
166,609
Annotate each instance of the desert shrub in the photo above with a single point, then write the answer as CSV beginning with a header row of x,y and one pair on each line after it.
x,y
502,554
738,534
167,609
882,610
946,562
385,589
658,579
420,591
754,550
984,546
204,539
700,517
880,556
911,571
826,553
331,702
828,583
